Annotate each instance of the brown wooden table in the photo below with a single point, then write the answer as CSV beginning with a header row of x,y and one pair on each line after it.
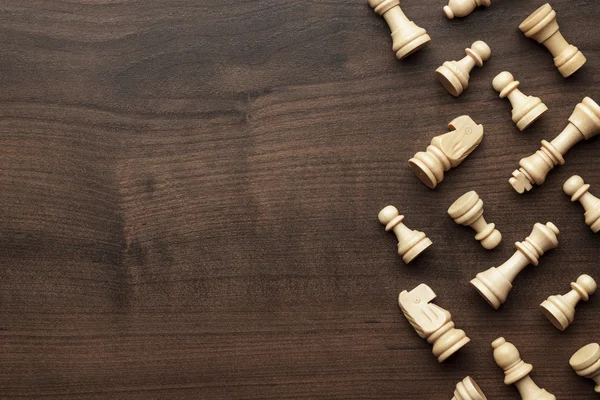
x,y
189,194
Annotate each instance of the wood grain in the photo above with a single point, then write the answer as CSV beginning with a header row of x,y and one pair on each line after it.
x,y
189,194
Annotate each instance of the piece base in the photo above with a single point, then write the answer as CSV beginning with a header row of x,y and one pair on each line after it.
x,y
449,81
416,250
487,294
423,172
571,66
554,315
413,46
444,356
531,116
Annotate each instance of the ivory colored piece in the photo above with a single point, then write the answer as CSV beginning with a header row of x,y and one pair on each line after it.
x,y
467,389
526,109
432,322
468,211
410,243
495,283
454,75
584,123
543,28
579,191
407,37
560,310
586,363
516,371
447,151
462,8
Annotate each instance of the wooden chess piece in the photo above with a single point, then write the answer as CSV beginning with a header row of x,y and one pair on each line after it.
x,y
542,27
454,75
495,283
407,37
586,363
584,123
410,243
462,8
526,109
516,371
467,389
447,151
560,310
432,322
468,211
579,190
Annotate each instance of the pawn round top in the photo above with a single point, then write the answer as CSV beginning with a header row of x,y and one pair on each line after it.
x,y
502,80
387,215
573,184
587,283
585,357
481,49
505,353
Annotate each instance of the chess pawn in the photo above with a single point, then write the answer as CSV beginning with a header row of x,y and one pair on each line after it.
x,y
516,371
542,26
586,363
467,389
447,151
579,190
462,8
410,243
468,211
454,75
432,322
495,283
560,310
584,123
407,37
526,109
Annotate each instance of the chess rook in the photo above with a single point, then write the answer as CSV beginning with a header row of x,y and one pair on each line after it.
x,y
432,322
468,211
462,8
516,371
586,363
560,310
584,123
542,27
410,243
495,283
467,389
407,37
454,75
447,151
579,191
526,109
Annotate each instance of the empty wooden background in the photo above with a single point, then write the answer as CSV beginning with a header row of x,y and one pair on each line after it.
x,y
189,194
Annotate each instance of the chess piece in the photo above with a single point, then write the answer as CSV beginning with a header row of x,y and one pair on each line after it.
x,y
579,190
560,310
543,28
467,389
462,8
586,363
468,211
432,322
584,123
516,371
410,243
526,109
495,283
447,151
407,37
454,75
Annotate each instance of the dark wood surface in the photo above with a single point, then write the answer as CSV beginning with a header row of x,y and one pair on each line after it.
x,y
189,192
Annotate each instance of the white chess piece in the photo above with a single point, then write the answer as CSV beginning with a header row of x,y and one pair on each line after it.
x,y
579,191
410,243
586,363
455,75
560,310
468,210
467,389
462,8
